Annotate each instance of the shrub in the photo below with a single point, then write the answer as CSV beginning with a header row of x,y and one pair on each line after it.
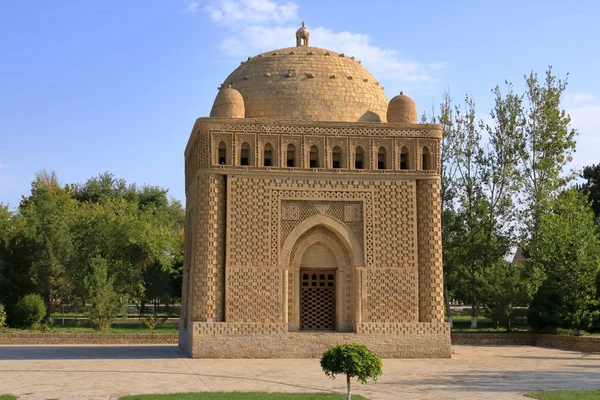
x,y
29,311
354,360
2,317
150,321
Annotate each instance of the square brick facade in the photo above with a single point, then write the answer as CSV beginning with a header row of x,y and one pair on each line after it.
x,y
252,230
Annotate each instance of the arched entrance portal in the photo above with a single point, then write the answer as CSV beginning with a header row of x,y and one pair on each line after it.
x,y
321,256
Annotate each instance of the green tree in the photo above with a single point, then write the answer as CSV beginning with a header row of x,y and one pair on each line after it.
x,y
549,143
353,360
6,223
46,243
479,180
102,302
131,228
448,167
591,186
564,263
507,294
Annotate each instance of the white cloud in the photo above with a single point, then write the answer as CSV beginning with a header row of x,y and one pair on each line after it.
x,y
245,12
580,98
256,26
585,117
192,6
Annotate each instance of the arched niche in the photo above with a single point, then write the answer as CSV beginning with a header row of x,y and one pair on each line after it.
x,y
321,243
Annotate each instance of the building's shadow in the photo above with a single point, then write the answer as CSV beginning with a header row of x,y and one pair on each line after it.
x,y
98,352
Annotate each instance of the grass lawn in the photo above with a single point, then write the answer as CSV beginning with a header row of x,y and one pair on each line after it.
x,y
566,395
7,397
241,396
488,330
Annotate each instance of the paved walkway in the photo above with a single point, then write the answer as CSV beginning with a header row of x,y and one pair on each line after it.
x,y
105,372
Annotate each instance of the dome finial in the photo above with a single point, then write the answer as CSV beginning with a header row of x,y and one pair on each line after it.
x,y
302,34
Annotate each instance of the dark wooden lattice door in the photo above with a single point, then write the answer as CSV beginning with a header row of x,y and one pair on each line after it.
x,y
317,300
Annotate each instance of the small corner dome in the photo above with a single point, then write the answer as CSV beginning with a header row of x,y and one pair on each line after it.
x,y
228,104
402,109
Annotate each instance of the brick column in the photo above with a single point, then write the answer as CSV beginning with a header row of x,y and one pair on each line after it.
x,y
429,229
208,269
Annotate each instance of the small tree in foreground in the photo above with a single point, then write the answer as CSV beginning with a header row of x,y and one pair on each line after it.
x,y
102,302
354,360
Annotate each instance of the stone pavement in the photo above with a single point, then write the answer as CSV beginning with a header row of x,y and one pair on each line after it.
x,y
105,372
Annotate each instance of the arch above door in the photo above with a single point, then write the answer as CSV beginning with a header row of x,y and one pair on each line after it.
x,y
350,243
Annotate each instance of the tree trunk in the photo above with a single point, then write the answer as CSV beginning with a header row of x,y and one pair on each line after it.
x,y
474,309
48,305
349,393
448,310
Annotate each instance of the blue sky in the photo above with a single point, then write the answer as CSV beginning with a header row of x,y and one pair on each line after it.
x,y
115,85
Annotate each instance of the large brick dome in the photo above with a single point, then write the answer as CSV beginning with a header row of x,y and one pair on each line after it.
x,y
308,83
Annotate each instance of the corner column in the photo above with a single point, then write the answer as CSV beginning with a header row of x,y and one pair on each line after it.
x,y
429,236
208,269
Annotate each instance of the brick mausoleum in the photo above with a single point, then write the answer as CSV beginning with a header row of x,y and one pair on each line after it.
x,y
313,215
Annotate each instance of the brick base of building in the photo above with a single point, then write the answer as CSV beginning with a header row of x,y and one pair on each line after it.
x,y
423,341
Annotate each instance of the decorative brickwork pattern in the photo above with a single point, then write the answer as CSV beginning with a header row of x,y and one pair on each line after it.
x,y
290,212
431,295
391,296
400,328
317,193
254,295
221,251
209,251
395,219
249,233
352,213
192,161
235,328
305,209
190,233
350,296
203,151
329,129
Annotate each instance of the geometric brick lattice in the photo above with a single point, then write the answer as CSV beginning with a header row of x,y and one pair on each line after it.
x,y
254,295
318,300
431,295
394,216
391,295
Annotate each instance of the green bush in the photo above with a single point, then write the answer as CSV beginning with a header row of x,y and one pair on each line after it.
x,y
150,321
2,317
353,360
29,311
